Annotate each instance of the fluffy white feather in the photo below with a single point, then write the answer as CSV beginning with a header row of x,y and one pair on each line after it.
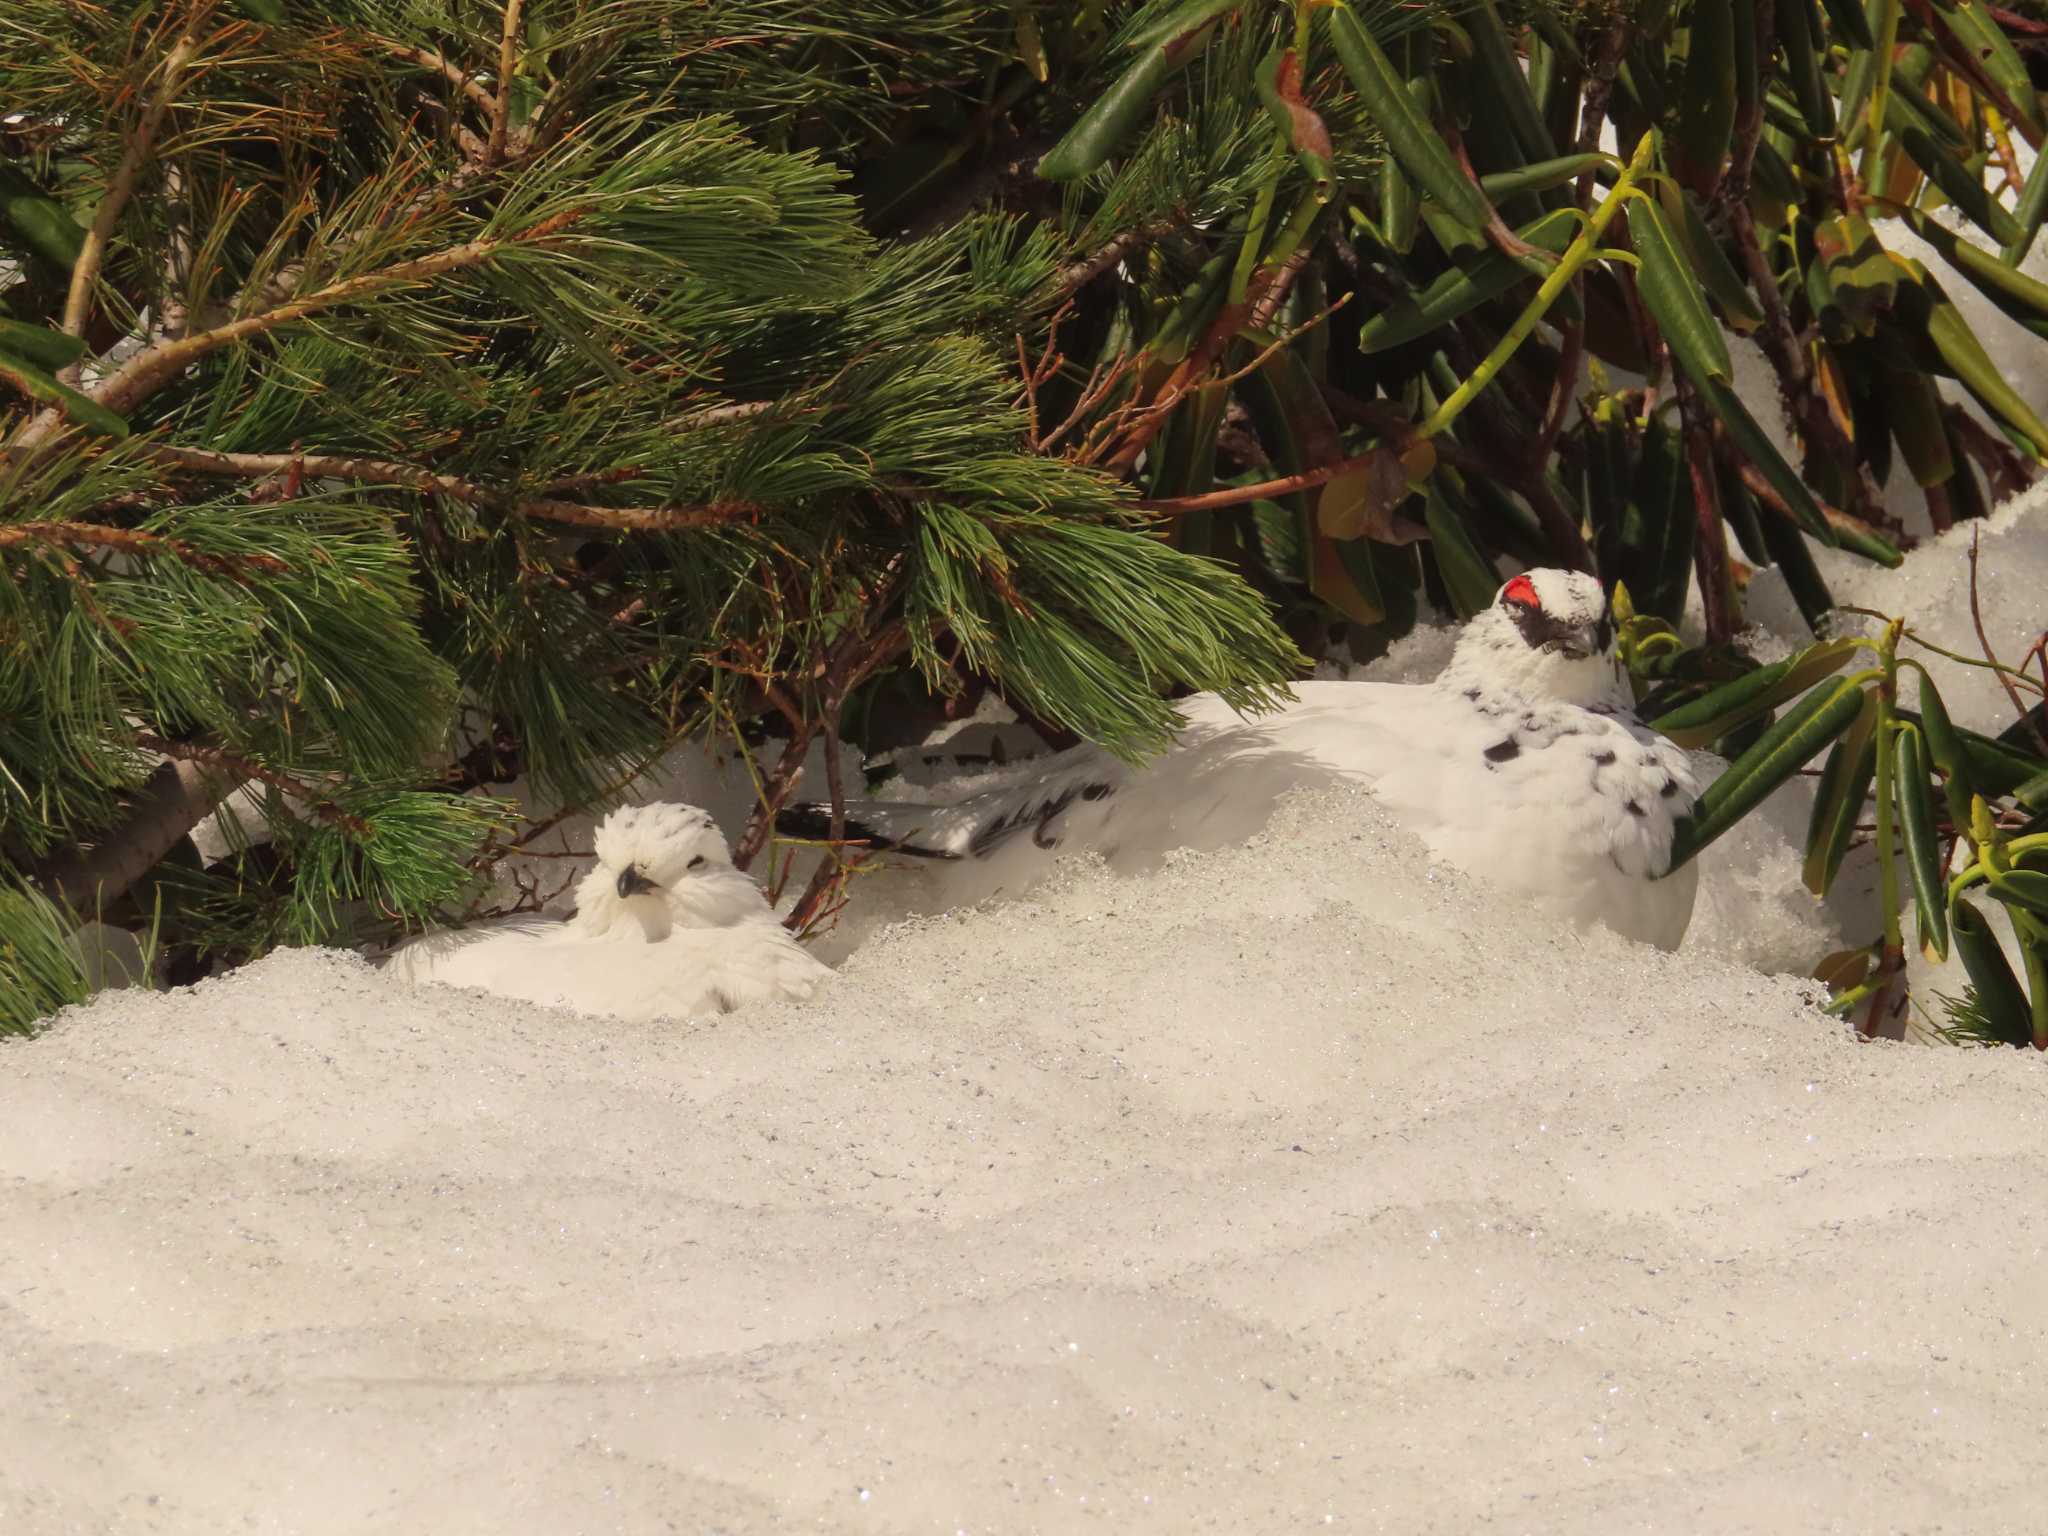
x,y
665,927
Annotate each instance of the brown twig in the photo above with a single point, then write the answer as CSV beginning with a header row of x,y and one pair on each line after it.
x,y
1710,548
1984,641
1078,275
1237,495
844,665
442,65
1749,115
1168,400
829,879
129,541
413,477
1100,382
774,794
1959,56
246,768
2012,21
1766,493
157,364
1803,400
1030,378
92,252
1140,424
501,105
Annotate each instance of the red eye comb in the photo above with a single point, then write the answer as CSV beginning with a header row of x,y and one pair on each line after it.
x,y
1521,590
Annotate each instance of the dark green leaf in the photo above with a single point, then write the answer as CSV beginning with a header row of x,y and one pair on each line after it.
x,y
1915,797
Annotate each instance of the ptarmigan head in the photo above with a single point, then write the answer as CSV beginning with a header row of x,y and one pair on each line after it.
x,y
1548,635
661,867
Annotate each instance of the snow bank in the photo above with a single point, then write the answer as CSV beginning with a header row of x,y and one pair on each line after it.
x,y
1931,590
1294,1186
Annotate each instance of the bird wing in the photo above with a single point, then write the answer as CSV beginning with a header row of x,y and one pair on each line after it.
x,y
1021,802
1565,804
1215,785
1570,806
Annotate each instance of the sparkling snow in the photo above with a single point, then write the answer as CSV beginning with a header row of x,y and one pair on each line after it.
x,y
1295,1185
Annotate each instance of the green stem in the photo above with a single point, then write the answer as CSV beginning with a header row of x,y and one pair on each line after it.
x,y
1887,827
2033,937
1887,30
1255,231
1294,233
1887,836
1582,252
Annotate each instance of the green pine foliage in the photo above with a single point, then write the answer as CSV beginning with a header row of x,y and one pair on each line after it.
x,y
384,395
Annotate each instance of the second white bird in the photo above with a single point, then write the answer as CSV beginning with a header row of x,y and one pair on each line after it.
x,y
1523,763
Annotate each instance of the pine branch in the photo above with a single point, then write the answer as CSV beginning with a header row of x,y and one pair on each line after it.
x,y
85,271
130,542
441,64
371,471
501,108
245,768
154,366
175,798
1079,274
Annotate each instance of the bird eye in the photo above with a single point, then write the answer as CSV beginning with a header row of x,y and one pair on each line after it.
x,y
696,861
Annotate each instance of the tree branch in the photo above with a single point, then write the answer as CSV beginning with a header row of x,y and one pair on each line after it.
x,y
1237,495
175,798
444,66
371,471
86,270
130,542
155,365
245,768
1709,543
501,107
1820,436
1079,274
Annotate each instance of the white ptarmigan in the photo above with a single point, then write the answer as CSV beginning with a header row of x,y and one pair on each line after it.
x,y
665,927
1523,763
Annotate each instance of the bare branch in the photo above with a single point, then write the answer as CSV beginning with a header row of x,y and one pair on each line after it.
x,y
501,108
1984,640
1709,542
1079,274
245,768
1237,495
174,800
1765,492
441,64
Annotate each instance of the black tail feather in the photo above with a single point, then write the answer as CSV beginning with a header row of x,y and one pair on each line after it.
x,y
811,821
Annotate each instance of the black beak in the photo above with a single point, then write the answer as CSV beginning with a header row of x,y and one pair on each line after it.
x,y
1580,643
633,883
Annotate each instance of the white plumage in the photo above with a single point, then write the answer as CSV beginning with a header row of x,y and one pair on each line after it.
x,y
665,927
1523,763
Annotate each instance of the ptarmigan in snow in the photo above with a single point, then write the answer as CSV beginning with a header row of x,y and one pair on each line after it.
x,y
665,927
1522,763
